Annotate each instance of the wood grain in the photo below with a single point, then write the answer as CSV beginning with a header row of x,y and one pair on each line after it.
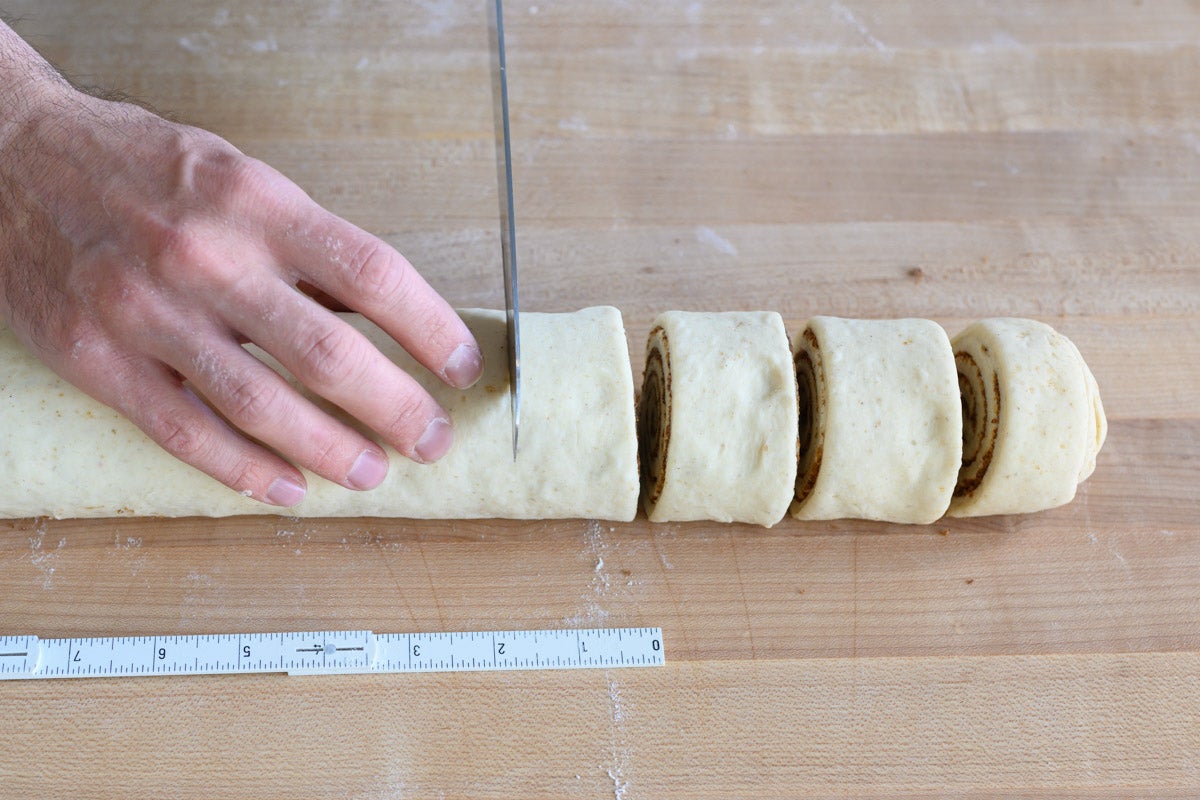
x,y
862,158
1014,726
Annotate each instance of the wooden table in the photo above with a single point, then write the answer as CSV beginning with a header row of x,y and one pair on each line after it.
x,y
856,158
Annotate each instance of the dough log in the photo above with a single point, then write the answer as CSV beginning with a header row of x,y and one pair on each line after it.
x,y
717,418
65,455
1032,418
880,423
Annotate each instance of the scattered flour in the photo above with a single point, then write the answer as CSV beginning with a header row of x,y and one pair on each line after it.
x,y
293,539
267,45
592,611
44,559
202,42
619,767
843,14
576,123
132,547
707,236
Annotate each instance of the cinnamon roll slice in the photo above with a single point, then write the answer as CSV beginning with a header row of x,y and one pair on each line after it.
x,y
1033,422
880,424
717,418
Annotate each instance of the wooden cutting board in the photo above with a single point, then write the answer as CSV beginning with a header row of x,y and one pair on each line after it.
x,y
856,158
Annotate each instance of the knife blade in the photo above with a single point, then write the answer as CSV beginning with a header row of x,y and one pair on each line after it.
x,y
508,226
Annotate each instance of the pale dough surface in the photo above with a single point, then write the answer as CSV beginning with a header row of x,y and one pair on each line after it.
x,y
1051,423
731,456
66,455
892,421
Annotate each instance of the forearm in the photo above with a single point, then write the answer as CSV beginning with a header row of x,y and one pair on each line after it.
x,y
27,82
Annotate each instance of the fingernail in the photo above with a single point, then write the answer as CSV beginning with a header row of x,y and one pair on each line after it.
x,y
369,470
285,492
435,441
464,366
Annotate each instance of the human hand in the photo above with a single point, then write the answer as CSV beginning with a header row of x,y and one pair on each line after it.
x,y
137,255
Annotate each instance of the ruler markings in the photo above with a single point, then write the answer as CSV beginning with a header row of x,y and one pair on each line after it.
x,y
328,652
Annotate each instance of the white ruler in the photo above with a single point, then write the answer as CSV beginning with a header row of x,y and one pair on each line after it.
x,y
328,653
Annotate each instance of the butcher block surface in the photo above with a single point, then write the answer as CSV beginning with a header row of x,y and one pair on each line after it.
x,y
861,158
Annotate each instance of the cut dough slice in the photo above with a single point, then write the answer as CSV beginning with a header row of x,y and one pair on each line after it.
x,y
1033,422
880,421
717,418
65,455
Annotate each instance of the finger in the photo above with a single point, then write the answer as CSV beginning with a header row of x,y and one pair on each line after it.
x,y
340,364
369,276
257,400
156,400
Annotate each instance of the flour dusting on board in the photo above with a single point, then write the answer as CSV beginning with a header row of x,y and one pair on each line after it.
x,y
41,558
129,548
617,770
609,582
707,236
592,612
843,14
293,539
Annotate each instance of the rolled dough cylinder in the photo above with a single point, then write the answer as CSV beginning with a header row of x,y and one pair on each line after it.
x,y
880,421
65,455
1032,418
717,418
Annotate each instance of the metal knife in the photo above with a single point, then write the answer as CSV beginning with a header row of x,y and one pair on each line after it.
x,y
508,227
